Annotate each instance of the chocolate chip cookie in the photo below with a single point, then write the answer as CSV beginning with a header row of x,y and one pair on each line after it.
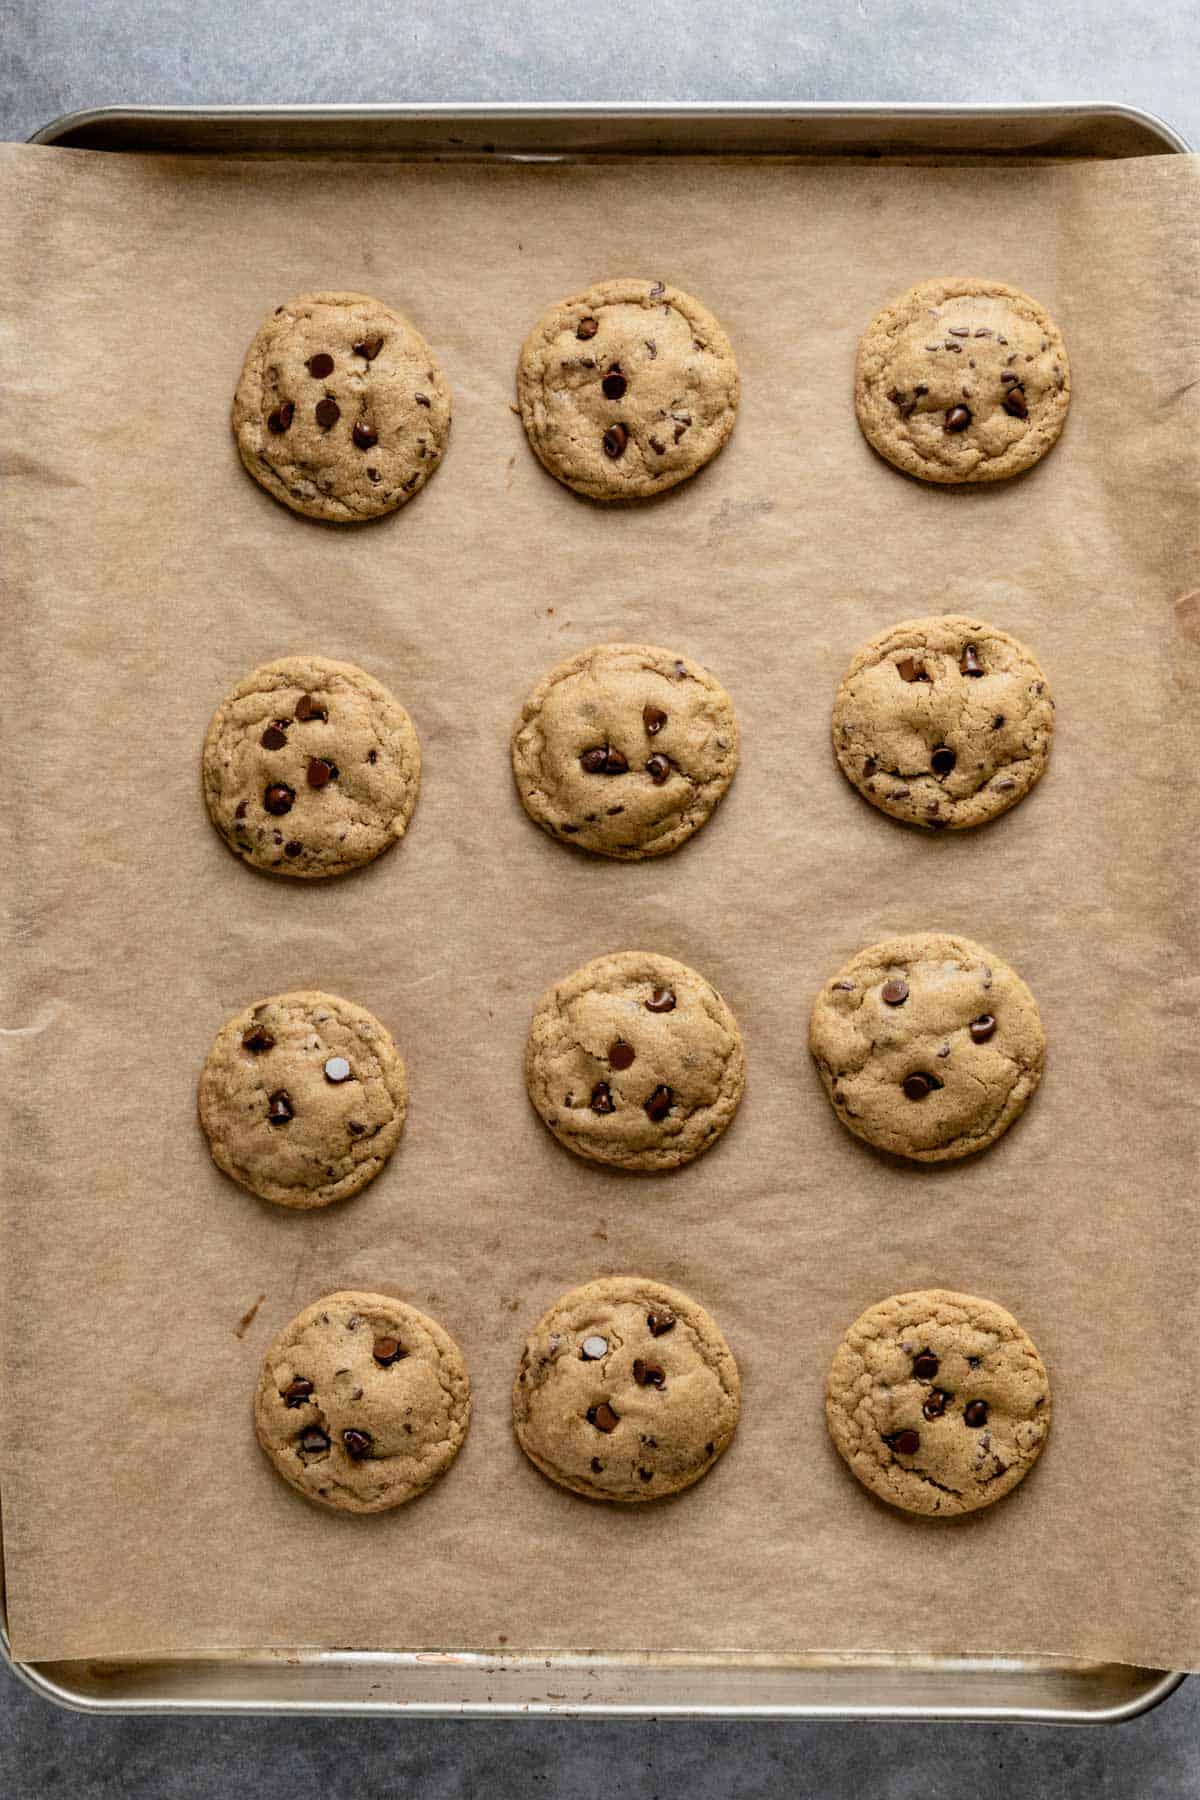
x,y
362,1403
310,768
341,411
625,749
962,380
636,1061
303,1098
627,389
943,722
938,1402
626,1391
929,1046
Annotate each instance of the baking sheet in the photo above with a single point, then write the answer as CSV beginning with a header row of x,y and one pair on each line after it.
x,y
145,573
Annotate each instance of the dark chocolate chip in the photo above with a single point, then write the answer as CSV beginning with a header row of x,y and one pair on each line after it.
x,y
357,1444
909,669
646,1474
293,849
998,721
662,1000
1006,375
894,993
982,1028
943,759
968,662
614,385
337,1070
975,1414
917,1085
1015,403
648,1374
603,759
388,1350
935,1406
925,1365
279,799
279,1107
602,1100
307,708
958,330
597,1466
320,772
354,1128
658,768
422,400
320,365
273,739
369,348
587,328
870,767
659,1104
653,718
603,1417
958,418
620,1054
314,1440
257,1040
659,1323
363,436
373,474
615,440
658,447
281,418
297,1392
328,412
905,1443
241,809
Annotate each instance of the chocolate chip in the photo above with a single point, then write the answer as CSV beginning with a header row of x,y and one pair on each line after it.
x,y
602,759
307,708
328,412
597,1466
257,1040
958,330
975,1414
1007,377
998,721
659,1323
646,1474
894,993
281,418
943,760
587,328
658,447
909,669
925,1365
293,849
653,718
314,1440
905,1443
354,1128
241,809
935,1406
388,1350
422,400
297,1392
373,474
916,1085
614,385
320,365
369,348
615,440
320,772
982,1028
658,768
603,1417
357,1444
372,756
593,1348
648,1374
279,799
968,662
337,1070
870,767
1015,403
363,436
958,418
662,1000
659,1104
620,1054
602,1100
279,1107
273,739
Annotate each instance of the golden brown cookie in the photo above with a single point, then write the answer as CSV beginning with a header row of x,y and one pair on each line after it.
x,y
627,389
929,1046
362,1402
303,1098
341,410
943,722
625,749
962,380
635,1060
939,1402
310,768
626,1391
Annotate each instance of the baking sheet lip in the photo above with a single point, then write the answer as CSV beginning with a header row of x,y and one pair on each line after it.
x,y
700,110
34,1675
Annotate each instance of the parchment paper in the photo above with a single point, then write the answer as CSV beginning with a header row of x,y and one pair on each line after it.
x,y
146,573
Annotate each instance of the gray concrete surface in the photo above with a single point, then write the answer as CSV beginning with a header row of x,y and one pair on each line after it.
x,y
58,55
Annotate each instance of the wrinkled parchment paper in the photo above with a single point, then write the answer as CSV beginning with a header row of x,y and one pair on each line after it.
x,y
145,573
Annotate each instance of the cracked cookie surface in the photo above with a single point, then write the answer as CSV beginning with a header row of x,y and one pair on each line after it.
x,y
303,1098
362,1402
928,1046
627,389
341,411
625,750
962,380
626,1391
938,1401
634,1060
943,722
310,768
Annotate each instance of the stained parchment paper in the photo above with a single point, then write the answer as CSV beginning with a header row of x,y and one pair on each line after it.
x,y
145,573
